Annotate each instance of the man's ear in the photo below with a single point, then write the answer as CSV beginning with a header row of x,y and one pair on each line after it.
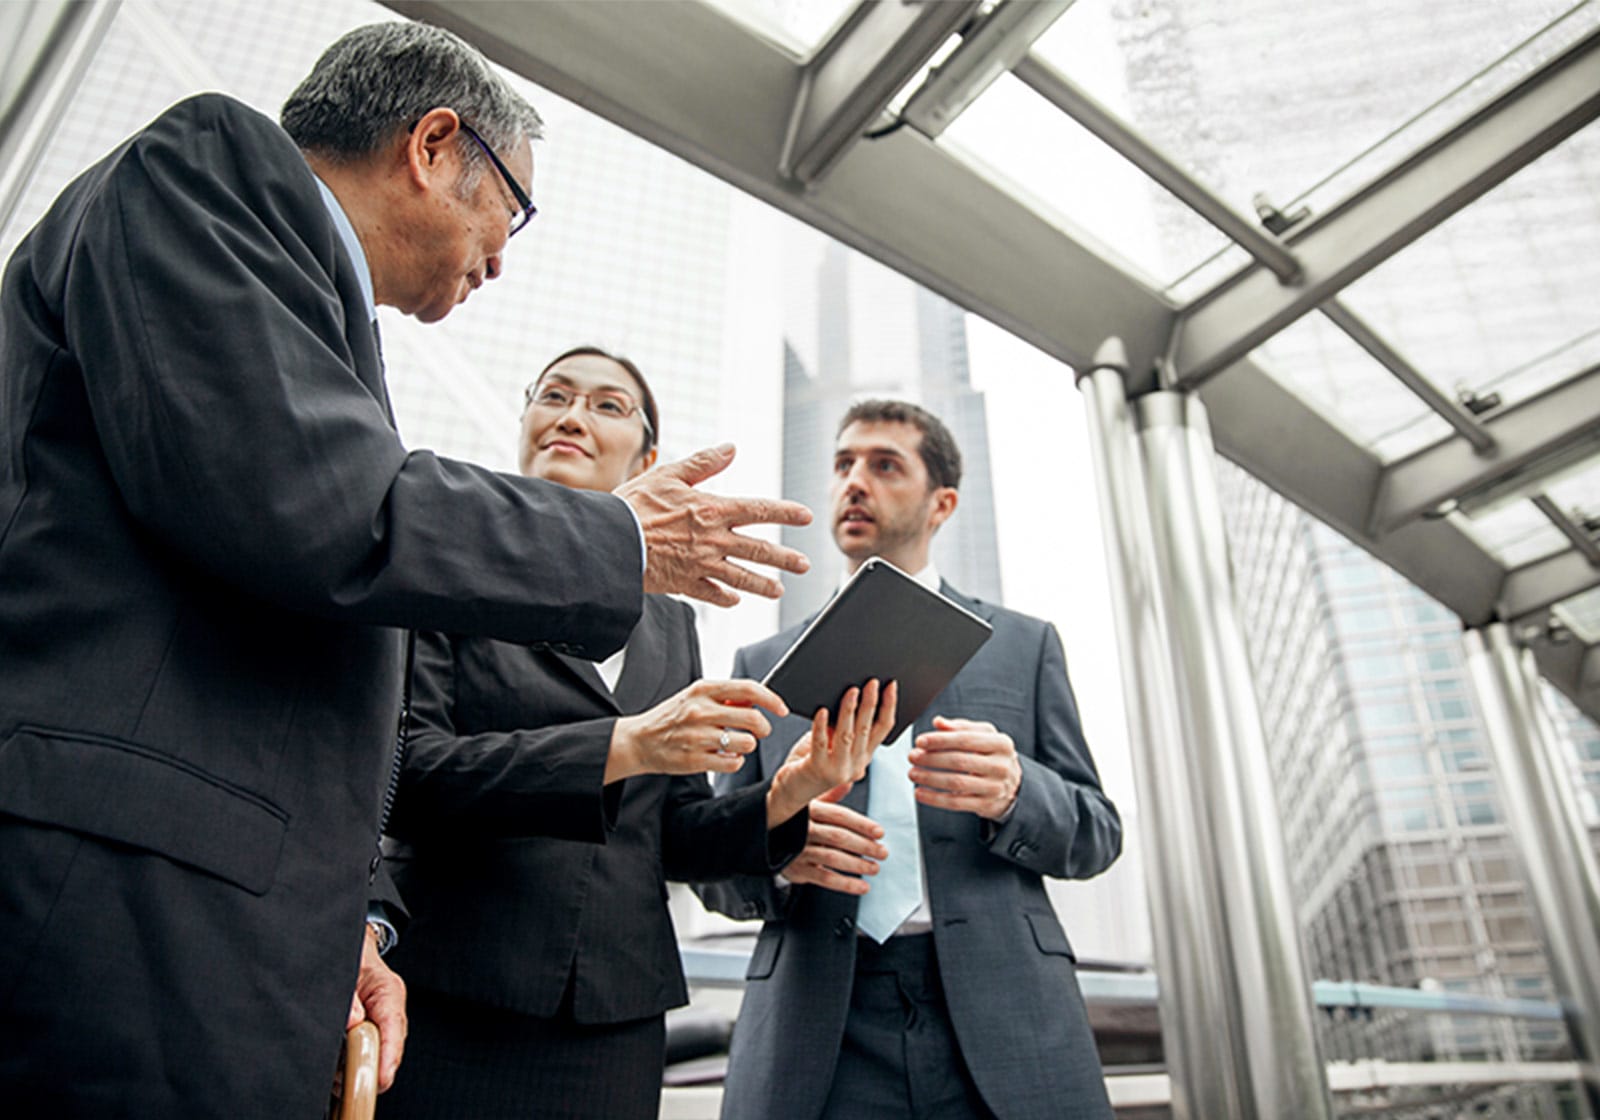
x,y
430,147
945,500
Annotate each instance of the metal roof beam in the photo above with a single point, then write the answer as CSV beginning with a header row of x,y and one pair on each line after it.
x,y
1341,245
901,199
1056,88
1531,590
987,51
1467,425
857,73
1533,438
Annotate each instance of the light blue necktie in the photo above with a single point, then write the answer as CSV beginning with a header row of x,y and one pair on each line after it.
x,y
896,890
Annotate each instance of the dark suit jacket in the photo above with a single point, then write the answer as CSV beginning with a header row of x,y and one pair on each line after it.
x,y
1007,967
210,535
508,919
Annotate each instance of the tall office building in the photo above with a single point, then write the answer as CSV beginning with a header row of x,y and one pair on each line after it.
x,y
869,332
1404,867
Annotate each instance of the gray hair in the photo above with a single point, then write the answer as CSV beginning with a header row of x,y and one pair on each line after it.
x,y
383,77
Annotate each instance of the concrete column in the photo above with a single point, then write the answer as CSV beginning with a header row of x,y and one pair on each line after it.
x,y
1236,1004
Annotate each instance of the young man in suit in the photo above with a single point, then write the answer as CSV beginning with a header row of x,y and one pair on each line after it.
x,y
212,542
910,964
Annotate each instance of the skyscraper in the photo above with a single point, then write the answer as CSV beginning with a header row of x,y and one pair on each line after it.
x,y
1404,868
870,332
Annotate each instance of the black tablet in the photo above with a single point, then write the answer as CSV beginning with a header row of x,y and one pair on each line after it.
x,y
882,624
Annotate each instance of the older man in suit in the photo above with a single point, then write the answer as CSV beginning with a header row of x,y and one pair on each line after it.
x,y
910,964
212,542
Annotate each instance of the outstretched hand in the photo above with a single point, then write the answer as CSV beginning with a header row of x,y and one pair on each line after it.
x,y
833,758
711,725
691,543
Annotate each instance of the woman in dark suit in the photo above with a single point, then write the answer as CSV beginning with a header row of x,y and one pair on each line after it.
x,y
540,970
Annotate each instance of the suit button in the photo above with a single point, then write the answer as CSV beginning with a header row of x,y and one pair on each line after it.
x,y
750,909
844,927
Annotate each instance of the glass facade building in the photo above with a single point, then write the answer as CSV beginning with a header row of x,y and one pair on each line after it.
x,y
1404,868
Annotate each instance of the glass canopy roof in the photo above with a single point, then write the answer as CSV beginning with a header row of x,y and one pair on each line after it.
x,y
1372,228
1366,235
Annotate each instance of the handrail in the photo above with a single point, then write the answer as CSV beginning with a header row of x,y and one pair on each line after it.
x,y
727,967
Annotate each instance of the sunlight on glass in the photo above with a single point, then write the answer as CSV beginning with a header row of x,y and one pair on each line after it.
x,y
1271,96
800,25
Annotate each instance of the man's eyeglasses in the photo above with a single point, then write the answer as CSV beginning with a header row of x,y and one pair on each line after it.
x,y
606,404
523,216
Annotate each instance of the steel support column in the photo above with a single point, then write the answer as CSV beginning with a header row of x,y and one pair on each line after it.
x,y
1562,873
1236,1002
28,119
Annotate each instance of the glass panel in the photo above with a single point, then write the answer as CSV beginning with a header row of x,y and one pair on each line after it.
x,y
1068,175
1581,613
1270,96
799,25
1321,364
1579,494
1500,298
1516,534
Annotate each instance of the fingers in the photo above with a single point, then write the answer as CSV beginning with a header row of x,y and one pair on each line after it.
x,y
703,464
884,723
808,872
817,734
955,802
952,781
847,829
709,592
974,738
759,511
768,553
391,1023
747,693
946,723
725,571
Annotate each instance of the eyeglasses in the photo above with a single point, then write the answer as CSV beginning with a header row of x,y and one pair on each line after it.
x,y
606,404
523,216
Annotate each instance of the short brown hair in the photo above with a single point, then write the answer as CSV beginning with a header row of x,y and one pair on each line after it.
x,y
939,451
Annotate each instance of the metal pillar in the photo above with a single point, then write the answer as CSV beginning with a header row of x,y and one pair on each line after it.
x,y
1562,872
1236,1003
53,73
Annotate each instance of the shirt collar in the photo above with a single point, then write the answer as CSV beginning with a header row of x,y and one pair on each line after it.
x,y
928,577
352,245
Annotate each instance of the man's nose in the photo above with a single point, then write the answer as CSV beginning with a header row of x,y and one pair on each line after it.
x,y
491,266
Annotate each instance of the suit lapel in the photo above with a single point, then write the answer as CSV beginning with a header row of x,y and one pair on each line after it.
x,y
585,673
643,669
646,664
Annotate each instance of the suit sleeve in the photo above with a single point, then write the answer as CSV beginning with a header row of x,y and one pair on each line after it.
x,y
753,894
225,392
705,837
544,782
1063,824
